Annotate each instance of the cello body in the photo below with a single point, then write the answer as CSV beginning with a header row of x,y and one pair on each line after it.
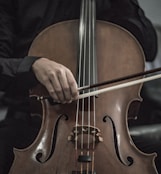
x,y
58,146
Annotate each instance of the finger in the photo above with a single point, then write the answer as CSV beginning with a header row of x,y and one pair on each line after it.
x,y
57,88
65,86
73,85
51,90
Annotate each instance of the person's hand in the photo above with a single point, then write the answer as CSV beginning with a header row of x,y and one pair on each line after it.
x,y
58,80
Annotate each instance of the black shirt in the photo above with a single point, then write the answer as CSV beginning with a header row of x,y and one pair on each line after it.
x,y
22,20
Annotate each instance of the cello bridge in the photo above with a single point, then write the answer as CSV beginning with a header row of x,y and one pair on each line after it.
x,y
85,135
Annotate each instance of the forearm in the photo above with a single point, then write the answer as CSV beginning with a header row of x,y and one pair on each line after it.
x,y
17,73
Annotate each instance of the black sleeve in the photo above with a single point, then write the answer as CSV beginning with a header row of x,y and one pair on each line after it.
x,y
17,73
128,14
12,70
148,39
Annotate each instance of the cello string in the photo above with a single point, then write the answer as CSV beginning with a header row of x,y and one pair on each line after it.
x,y
89,75
85,51
83,68
81,38
93,20
94,55
83,73
83,64
89,65
79,66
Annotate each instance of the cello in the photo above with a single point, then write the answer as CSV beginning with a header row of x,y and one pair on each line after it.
x,y
88,136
